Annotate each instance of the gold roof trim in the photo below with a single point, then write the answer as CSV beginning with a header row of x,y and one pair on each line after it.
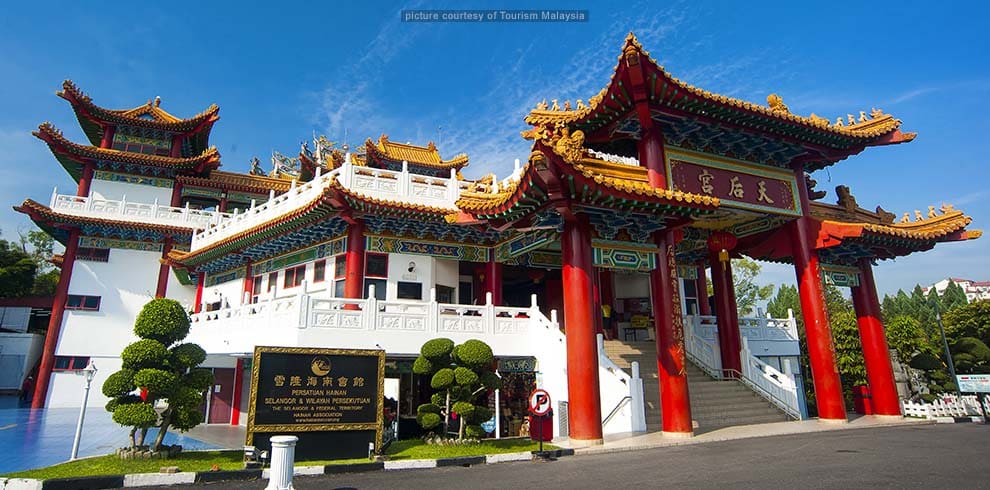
x,y
422,155
864,127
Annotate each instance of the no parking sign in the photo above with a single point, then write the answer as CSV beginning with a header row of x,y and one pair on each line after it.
x,y
539,402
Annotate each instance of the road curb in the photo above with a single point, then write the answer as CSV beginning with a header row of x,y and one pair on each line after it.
x,y
158,479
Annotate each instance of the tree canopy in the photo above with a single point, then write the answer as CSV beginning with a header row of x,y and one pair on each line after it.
x,y
162,369
459,373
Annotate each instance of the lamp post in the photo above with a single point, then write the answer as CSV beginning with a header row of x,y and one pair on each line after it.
x,y
90,373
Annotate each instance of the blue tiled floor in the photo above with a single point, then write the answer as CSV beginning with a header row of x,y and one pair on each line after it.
x,y
36,438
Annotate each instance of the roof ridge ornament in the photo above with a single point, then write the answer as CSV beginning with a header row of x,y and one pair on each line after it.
x,y
776,104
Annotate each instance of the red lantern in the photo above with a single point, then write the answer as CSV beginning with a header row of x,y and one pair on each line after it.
x,y
536,275
722,242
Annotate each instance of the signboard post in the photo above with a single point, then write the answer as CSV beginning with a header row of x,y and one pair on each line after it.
x,y
539,405
332,399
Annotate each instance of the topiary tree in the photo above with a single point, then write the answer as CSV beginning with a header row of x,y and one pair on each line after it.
x,y
459,373
161,369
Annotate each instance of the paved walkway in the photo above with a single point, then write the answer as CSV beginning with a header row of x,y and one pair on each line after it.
x,y
638,440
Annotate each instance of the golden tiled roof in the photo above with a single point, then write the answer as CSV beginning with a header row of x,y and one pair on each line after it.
x,y
863,128
55,139
137,116
930,228
427,155
237,181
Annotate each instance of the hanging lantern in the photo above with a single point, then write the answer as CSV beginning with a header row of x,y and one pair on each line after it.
x,y
722,242
536,275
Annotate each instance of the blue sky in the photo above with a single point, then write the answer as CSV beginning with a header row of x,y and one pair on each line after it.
x,y
281,70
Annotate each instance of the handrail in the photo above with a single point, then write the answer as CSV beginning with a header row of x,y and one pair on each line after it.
x,y
781,404
623,401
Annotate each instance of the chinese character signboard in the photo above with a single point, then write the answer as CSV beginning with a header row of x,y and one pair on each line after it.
x,y
330,398
734,183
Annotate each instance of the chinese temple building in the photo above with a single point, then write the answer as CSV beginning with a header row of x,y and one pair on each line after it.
x,y
625,205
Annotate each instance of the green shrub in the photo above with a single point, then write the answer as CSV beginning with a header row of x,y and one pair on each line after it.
x,y
465,376
474,431
442,379
422,365
463,409
475,354
119,384
185,356
162,319
144,353
159,383
437,349
140,415
428,420
199,378
186,418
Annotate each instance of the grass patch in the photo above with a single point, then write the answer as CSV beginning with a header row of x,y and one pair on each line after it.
x,y
233,460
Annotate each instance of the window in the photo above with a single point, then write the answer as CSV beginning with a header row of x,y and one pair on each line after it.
x,y
294,277
319,271
409,290
379,285
93,254
272,281
66,363
376,265
79,302
445,294
256,288
140,148
339,272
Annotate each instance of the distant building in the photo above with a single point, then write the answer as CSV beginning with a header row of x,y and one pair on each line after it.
x,y
975,290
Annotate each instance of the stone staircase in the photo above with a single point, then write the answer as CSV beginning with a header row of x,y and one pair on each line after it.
x,y
714,403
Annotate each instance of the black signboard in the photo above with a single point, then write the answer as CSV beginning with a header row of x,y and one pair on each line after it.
x,y
330,398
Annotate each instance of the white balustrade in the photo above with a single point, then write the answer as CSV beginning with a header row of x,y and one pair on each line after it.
x,y
946,405
124,210
779,388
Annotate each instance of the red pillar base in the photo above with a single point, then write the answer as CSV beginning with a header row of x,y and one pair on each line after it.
x,y
354,267
584,403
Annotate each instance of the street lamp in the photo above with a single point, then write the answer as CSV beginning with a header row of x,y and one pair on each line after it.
x,y
90,373
948,355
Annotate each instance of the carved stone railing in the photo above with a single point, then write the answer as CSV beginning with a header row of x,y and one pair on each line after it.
x,y
125,210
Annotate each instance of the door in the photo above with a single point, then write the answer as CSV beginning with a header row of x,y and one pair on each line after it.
x,y
221,396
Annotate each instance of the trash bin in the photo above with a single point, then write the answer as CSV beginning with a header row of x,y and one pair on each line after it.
x,y
547,427
862,400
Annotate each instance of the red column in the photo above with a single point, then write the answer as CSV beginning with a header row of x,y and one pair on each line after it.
x,y
876,354
176,195
493,280
582,350
222,207
108,133
200,283
675,404
85,180
248,283
651,156
354,269
55,321
727,315
701,285
596,300
821,351
235,413
163,269
176,146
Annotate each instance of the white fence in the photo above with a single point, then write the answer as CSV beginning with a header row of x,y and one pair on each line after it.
x,y
945,406
125,210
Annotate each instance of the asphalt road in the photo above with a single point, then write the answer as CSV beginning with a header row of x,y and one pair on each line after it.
x,y
931,456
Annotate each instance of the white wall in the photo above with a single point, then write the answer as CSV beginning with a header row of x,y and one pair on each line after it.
x,y
125,284
398,270
448,274
106,189
232,292
66,388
